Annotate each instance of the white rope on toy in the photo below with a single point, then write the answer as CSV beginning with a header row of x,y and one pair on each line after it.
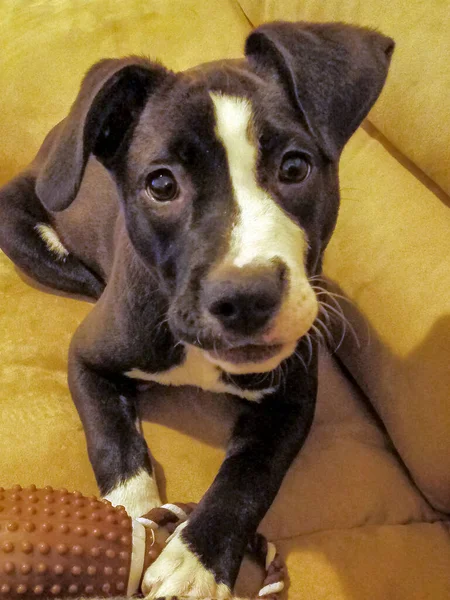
x,y
137,557
272,588
148,523
176,510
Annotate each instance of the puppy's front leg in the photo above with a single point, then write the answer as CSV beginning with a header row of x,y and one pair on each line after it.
x,y
203,559
118,452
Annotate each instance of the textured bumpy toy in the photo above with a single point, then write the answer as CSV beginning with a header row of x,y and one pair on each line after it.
x,y
56,544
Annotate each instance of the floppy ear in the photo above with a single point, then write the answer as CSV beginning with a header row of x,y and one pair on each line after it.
x,y
111,98
333,73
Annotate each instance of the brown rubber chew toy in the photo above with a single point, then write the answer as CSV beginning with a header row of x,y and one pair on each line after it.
x,y
57,544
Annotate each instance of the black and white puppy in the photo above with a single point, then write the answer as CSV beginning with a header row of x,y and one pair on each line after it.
x,y
196,207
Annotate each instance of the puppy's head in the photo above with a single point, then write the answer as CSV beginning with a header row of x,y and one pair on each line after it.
x,y
228,177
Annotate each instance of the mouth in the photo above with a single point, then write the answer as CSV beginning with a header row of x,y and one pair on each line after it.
x,y
250,353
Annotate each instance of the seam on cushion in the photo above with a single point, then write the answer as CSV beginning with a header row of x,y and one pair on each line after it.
x,y
247,18
406,162
444,521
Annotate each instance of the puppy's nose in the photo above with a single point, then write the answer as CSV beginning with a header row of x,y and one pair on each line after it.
x,y
244,300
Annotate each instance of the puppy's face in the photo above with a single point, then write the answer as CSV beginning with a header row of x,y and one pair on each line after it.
x,y
228,176
232,201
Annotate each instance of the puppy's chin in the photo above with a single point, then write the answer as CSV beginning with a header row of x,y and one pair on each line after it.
x,y
237,365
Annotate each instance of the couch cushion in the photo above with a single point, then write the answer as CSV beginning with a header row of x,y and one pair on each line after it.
x,y
413,109
390,257
48,46
377,563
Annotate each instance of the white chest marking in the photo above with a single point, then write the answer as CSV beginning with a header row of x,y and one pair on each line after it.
x,y
198,371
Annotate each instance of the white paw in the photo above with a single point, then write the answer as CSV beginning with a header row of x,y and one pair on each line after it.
x,y
138,495
178,572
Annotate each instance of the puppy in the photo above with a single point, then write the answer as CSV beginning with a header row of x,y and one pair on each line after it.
x,y
196,207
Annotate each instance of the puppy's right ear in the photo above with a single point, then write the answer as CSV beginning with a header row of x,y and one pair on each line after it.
x,y
109,103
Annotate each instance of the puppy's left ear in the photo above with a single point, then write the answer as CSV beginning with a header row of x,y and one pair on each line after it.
x,y
332,72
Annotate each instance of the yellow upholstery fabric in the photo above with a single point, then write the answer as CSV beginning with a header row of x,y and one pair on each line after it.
x,y
349,519
413,112
391,562
48,45
390,257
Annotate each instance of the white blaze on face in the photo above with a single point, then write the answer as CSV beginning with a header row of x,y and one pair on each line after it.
x,y
263,231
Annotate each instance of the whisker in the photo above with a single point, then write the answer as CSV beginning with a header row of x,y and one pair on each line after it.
x,y
345,322
328,334
329,306
157,328
272,376
300,358
324,292
323,310
344,331
262,378
310,348
319,334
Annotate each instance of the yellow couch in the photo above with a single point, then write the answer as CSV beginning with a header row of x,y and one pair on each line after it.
x,y
364,512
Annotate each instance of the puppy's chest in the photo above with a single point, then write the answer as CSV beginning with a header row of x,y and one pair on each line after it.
x,y
196,370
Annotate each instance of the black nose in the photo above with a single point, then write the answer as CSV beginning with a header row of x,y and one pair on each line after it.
x,y
244,300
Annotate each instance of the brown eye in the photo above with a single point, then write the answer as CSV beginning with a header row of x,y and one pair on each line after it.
x,y
294,168
162,185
